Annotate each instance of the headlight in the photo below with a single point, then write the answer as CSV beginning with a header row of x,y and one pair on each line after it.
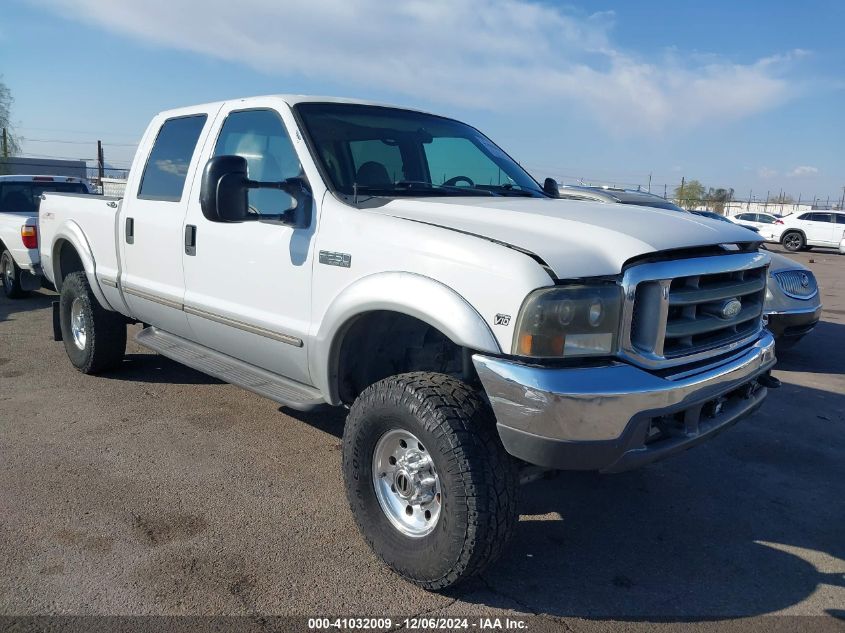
x,y
569,321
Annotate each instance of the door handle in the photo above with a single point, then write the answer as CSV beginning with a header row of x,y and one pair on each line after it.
x,y
130,231
190,239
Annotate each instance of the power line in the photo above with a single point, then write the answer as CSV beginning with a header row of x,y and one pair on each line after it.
x,y
51,140
92,132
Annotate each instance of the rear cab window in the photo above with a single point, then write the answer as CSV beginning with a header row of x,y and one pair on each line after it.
x,y
167,165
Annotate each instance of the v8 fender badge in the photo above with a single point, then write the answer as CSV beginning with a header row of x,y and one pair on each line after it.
x,y
502,319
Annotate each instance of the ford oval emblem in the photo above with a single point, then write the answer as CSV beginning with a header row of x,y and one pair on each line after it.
x,y
731,309
805,280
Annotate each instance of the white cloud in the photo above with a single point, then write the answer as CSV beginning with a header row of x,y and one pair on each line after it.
x,y
492,54
766,172
804,170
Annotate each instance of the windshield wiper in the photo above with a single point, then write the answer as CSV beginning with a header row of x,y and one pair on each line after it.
x,y
411,184
508,189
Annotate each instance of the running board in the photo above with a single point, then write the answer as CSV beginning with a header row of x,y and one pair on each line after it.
x,y
287,392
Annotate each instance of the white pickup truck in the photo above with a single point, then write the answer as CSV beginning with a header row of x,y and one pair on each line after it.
x,y
321,251
20,270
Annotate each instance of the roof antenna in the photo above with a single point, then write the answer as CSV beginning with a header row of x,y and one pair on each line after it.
x,y
354,193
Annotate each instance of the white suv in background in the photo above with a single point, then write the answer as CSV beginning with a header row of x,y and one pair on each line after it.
x,y
814,228
768,225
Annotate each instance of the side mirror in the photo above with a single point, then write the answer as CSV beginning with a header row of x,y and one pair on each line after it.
x,y
223,192
550,187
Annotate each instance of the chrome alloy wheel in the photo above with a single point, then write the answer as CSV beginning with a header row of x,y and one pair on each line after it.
x,y
406,483
77,323
8,271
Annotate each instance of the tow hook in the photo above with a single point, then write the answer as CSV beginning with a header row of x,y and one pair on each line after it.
x,y
769,381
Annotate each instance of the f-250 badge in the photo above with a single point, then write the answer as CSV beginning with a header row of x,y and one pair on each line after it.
x,y
502,319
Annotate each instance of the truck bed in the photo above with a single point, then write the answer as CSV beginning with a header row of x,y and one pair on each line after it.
x,y
88,221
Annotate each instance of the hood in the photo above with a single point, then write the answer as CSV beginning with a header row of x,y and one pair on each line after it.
x,y
780,262
575,238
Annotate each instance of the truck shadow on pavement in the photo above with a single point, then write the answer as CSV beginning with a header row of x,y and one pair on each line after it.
x,y
38,300
153,368
816,353
749,523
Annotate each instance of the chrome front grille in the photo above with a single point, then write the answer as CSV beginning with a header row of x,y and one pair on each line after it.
x,y
686,310
798,284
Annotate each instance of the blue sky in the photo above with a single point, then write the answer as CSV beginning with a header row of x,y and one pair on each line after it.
x,y
747,95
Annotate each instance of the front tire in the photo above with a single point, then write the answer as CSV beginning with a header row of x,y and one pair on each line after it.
x,y
793,241
11,276
430,485
94,338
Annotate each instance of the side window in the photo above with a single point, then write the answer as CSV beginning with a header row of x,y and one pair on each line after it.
x,y
449,157
167,167
822,217
261,138
840,218
805,217
765,219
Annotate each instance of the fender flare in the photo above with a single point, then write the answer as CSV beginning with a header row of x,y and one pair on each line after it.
x,y
71,232
402,292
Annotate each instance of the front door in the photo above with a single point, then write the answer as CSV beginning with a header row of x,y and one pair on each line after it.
x,y
248,284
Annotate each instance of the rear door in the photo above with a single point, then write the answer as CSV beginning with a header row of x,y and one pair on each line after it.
x,y
820,228
152,216
839,228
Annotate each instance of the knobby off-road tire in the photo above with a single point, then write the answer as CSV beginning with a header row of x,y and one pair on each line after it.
x,y
10,276
443,424
94,338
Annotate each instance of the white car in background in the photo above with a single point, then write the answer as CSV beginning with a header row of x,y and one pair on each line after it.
x,y
20,196
768,225
814,228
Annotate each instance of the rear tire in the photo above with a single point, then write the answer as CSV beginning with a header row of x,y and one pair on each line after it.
x,y
11,276
469,508
793,241
94,338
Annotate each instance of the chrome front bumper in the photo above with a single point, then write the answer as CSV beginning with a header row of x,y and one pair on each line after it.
x,y
604,418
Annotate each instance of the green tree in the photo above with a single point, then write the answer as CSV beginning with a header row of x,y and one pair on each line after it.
x,y
689,194
718,197
11,146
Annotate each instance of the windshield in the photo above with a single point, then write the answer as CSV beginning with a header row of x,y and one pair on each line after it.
x,y
379,151
25,196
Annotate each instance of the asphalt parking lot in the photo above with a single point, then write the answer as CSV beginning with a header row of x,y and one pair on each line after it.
x,y
158,490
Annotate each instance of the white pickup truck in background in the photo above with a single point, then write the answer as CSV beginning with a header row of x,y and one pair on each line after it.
x,y
20,196
330,252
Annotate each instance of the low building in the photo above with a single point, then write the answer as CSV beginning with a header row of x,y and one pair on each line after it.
x,y
23,166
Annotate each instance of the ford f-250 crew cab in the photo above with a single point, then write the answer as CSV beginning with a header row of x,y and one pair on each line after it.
x,y
20,270
323,251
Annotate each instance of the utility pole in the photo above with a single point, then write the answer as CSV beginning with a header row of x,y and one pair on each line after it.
x,y
100,163
750,195
681,192
664,191
842,204
5,144
649,183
